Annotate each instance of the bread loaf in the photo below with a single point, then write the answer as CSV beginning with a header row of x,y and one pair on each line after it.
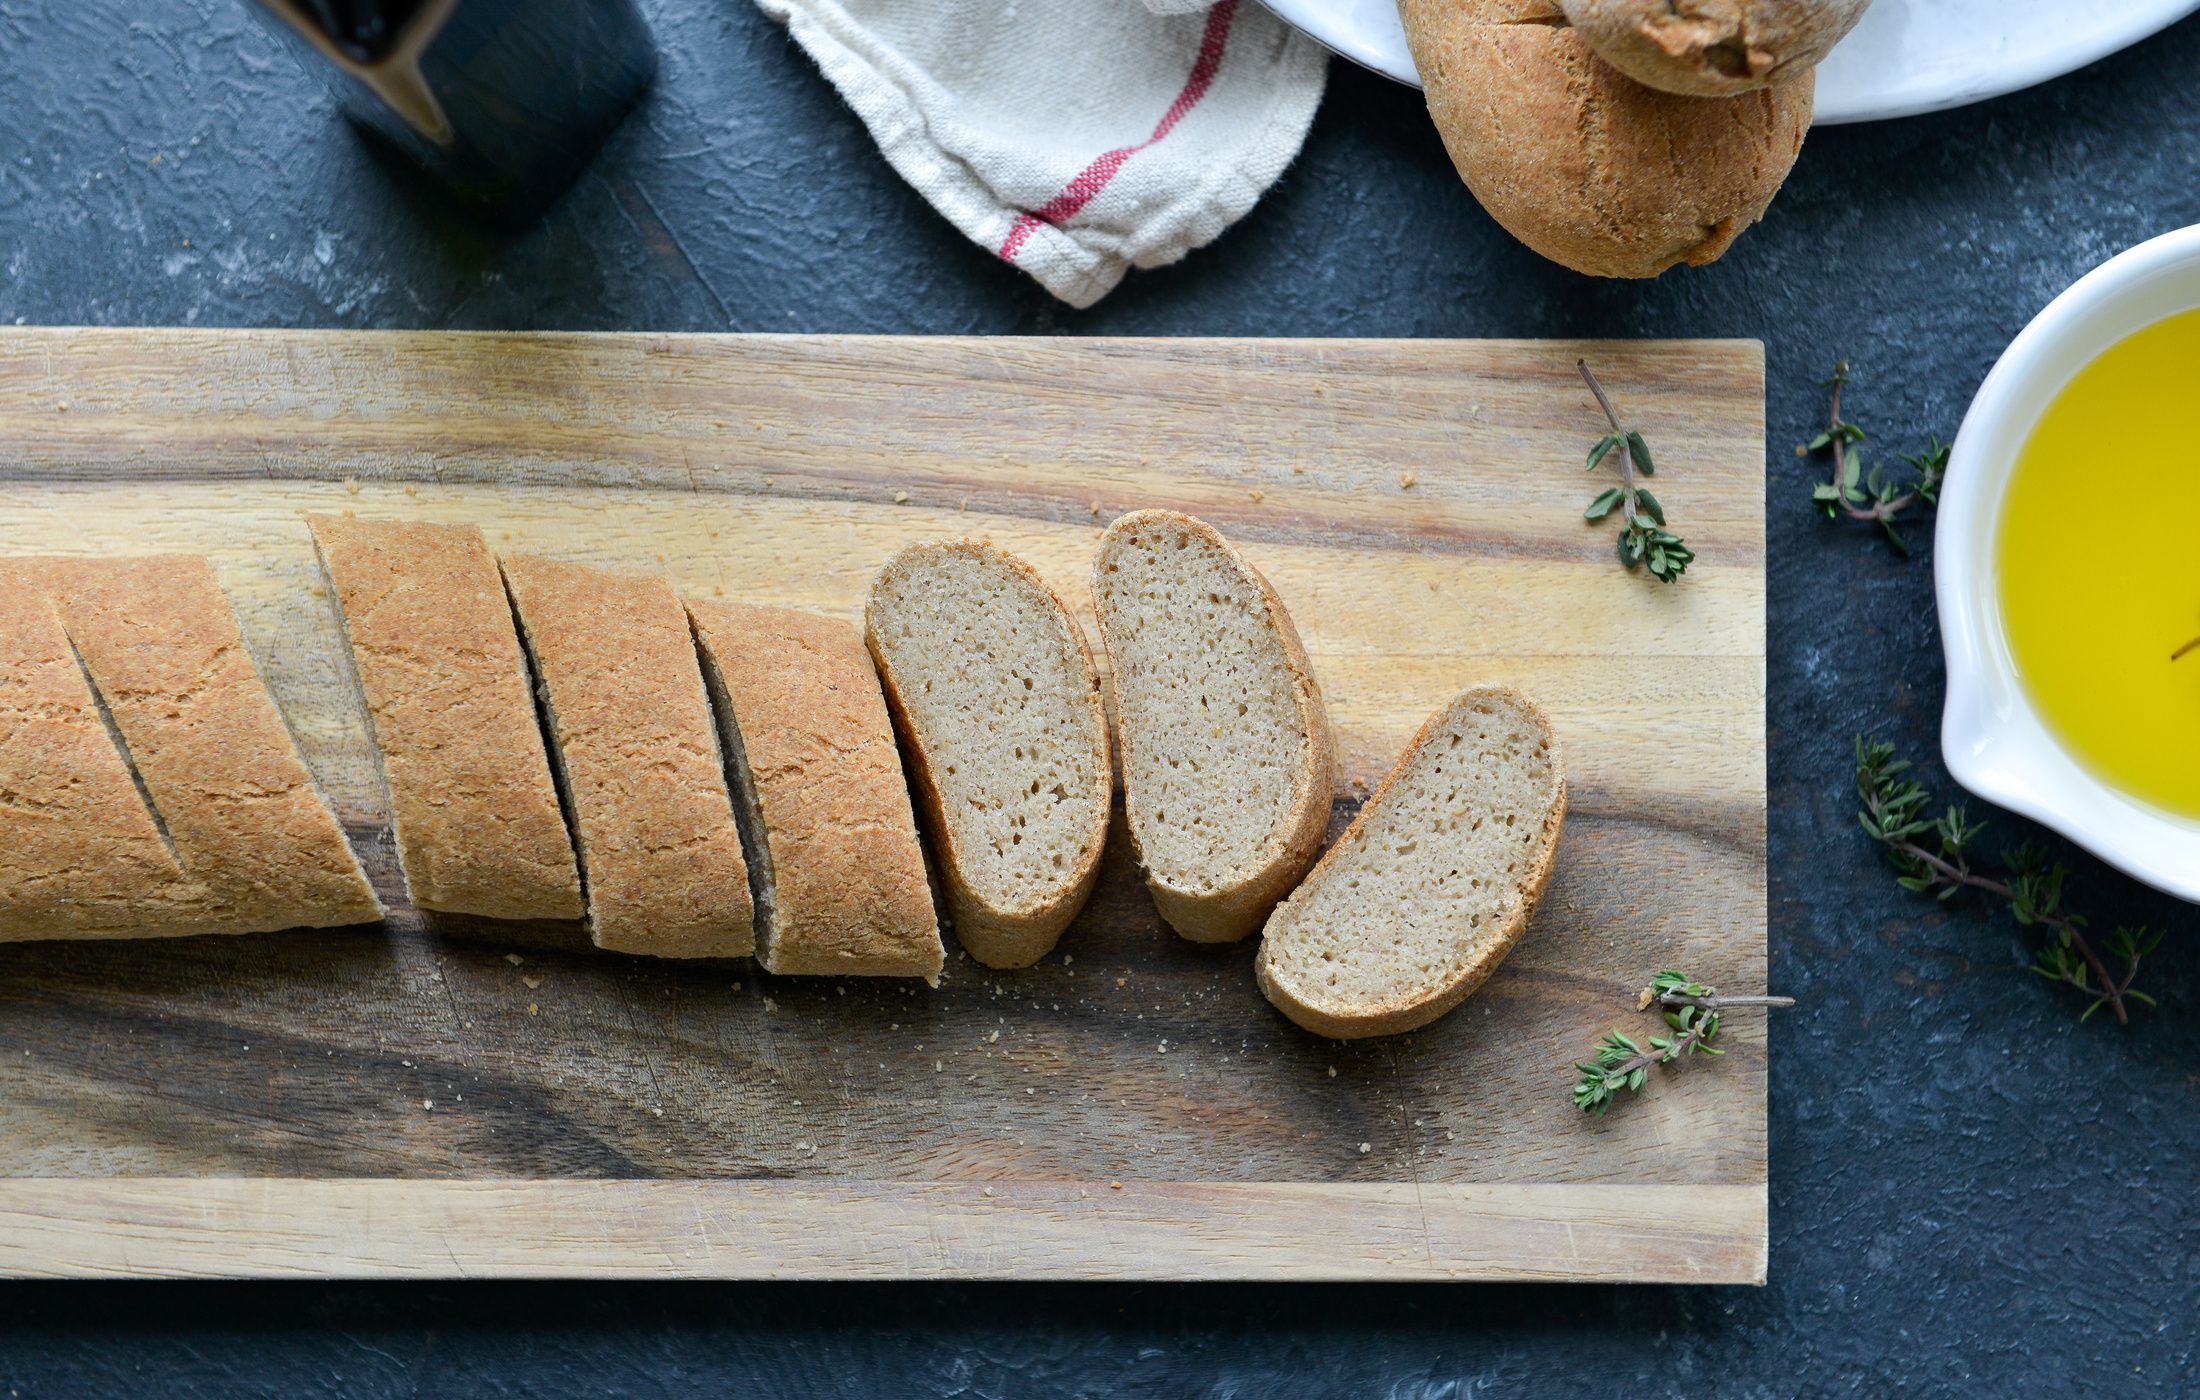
x,y
1584,164
1431,886
637,753
1713,48
214,755
81,855
834,864
1228,762
994,695
437,663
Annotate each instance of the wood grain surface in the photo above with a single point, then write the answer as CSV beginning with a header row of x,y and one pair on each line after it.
x,y
430,1095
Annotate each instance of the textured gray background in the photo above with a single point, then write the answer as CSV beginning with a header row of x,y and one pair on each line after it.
x,y
1970,1191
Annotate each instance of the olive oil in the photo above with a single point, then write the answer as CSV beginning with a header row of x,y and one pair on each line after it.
x,y
2097,565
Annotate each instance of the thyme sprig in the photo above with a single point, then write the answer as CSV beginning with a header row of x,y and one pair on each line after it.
x,y
1932,855
1643,537
1870,495
1620,1063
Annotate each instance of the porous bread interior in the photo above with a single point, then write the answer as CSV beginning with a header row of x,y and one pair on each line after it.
x,y
1433,874
1204,690
999,696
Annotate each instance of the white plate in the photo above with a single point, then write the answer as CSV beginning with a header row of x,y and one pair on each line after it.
x,y
1907,56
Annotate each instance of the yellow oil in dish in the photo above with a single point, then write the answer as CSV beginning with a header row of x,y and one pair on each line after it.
x,y
2097,563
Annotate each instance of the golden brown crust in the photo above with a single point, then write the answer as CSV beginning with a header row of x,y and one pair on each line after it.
x,y
80,853
996,936
1713,48
438,664
1395,1017
1584,164
219,763
846,886
632,730
1226,915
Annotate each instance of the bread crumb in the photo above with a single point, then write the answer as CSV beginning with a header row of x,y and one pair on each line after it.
x,y
989,1190
351,485
770,1005
411,490
1115,1186
993,1037
533,1009
656,1113
532,982
1332,1071
514,959
1298,471
1366,1147
428,1104
62,406
901,498
1258,496
1406,480
963,504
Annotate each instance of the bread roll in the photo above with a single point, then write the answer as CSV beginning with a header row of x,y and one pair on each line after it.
x,y
1713,48
1584,164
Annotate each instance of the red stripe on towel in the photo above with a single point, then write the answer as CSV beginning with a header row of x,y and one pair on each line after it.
x,y
1094,177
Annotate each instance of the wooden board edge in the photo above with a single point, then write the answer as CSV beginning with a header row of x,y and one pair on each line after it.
x,y
158,1227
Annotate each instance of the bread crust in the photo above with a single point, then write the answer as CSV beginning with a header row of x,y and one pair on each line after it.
x,y
1713,48
80,853
216,758
1582,163
1229,914
436,660
1398,1015
797,693
1000,937
632,731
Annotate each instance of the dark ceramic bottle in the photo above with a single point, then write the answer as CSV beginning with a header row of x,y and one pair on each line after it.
x,y
504,101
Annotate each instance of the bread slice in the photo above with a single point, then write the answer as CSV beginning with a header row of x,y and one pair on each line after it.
x,y
436,660
1228,763
637,759
834,864
994,694
1423,896
81,855
215,757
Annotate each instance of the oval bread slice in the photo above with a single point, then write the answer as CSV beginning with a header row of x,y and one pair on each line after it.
x,y
1423,896
993,691
1228,763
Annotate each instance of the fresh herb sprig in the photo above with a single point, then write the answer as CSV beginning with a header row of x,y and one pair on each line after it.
x,y
1870,495
1620,1063
1932,855
1643,538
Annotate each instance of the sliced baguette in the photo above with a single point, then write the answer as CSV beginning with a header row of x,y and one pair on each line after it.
x,y
1228,763
436,660
81,855
1423,896
998,706
637,758
214,755
834,865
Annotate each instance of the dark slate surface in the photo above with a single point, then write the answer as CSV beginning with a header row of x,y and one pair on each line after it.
x,y
1970,1191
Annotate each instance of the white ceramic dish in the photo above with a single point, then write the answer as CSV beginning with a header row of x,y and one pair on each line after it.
x,y
1993,740
1905,57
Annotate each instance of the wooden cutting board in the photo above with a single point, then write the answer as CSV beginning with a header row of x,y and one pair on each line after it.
x,y
476,1099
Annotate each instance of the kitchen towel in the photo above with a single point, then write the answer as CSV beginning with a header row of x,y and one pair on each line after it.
x,y
1075,139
